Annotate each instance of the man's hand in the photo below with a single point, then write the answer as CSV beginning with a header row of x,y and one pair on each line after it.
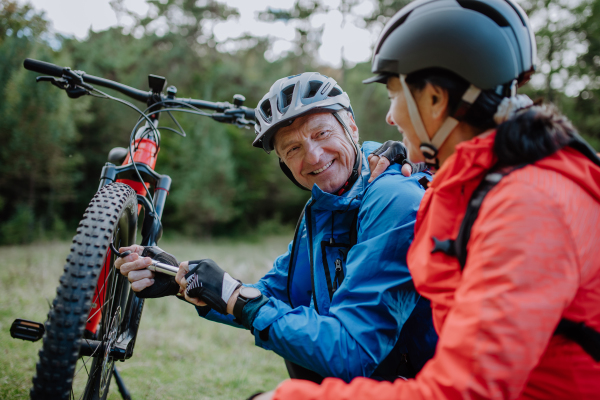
x,y
180,279
144,282
392,152
134,268
205,283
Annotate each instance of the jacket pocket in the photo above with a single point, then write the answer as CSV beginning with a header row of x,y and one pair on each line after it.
x,y
334,264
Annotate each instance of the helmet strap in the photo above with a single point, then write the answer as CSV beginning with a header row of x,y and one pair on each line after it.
x,y
290,176
429,147
354,176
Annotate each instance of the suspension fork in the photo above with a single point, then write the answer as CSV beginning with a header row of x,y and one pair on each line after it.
x,y
144,156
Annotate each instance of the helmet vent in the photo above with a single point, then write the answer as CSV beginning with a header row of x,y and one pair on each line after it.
x,y
312,89
336,91
265,107
485,9
285,98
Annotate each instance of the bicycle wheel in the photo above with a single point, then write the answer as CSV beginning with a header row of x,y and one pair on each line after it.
x,y
61,373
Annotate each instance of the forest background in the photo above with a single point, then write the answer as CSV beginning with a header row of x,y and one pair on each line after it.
x,y
52,148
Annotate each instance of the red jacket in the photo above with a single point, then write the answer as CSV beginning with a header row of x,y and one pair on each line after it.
x,y
534,258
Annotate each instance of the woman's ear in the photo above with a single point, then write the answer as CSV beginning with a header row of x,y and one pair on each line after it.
x,y
435,101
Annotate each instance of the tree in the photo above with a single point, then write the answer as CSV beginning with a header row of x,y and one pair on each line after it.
x,y
37,132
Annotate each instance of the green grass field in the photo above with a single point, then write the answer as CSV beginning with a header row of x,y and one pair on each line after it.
x,y
178,355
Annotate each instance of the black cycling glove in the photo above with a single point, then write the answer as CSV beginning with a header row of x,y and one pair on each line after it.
x,y
209,283
164,285
395,152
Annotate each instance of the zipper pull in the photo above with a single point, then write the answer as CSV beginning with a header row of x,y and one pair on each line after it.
x,y
338,270
338,266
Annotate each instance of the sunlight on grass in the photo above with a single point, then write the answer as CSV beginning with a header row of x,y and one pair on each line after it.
x,y
178,355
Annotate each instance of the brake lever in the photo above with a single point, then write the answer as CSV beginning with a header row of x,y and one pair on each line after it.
x,y
244,123
74,90
59,83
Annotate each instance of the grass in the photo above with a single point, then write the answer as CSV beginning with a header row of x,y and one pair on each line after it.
x,y
178,355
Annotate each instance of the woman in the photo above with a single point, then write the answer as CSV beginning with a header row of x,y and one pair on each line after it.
x,y
531,260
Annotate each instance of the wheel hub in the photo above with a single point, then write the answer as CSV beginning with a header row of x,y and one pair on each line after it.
x,y
109,339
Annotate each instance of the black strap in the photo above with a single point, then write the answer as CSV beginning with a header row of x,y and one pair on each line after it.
x,y
586,337
487,184
292,259
290,176
354,230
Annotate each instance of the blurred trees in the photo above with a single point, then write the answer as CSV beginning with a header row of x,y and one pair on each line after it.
x,y
52,148
568,43
38,165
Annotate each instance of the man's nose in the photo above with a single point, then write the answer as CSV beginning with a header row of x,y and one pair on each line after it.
x,y
313,154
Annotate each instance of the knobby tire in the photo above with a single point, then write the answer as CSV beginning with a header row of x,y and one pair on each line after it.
x,y
110,217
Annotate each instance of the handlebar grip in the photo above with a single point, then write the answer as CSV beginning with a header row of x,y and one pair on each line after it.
x,y
43,67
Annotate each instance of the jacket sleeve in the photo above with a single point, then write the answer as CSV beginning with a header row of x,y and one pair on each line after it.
x,y
520,276
377,291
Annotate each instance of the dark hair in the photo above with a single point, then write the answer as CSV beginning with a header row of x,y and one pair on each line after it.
x,y
529,136
480,115
532,134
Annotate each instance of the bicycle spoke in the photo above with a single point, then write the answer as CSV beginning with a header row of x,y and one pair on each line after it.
x,y
100,309
83,361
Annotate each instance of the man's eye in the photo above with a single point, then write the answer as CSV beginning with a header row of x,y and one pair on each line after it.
x,y
292,150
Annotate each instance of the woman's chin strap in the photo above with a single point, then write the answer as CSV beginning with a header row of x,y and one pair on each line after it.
x,y
429,147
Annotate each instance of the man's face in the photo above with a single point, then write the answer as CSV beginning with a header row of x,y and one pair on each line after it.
x,y
317,150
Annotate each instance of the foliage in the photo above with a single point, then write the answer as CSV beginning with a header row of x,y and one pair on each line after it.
x,y
53,147
568,74
37,131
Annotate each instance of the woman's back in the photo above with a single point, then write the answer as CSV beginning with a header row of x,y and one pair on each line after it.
x,y
534,258
571,277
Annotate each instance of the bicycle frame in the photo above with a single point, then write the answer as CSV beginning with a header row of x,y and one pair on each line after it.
x,y
144,157
137,171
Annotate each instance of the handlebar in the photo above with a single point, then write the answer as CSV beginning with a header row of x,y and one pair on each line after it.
x,y
43,67
136,94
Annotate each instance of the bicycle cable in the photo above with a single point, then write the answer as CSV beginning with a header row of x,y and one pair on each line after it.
x,y
145,116
132,137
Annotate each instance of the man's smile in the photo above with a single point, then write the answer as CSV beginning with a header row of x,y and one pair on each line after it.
x,y
326,166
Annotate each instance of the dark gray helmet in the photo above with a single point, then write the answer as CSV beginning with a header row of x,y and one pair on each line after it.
x,y
489,43
293,97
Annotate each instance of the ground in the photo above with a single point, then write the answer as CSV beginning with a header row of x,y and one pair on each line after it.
x,y
178,355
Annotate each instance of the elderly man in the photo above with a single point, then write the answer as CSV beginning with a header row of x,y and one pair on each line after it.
x,y
340,302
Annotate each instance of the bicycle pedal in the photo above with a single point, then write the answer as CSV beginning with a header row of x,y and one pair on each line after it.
x,y
27,330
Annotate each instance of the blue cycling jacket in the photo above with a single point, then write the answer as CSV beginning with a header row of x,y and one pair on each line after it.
x,y
348,323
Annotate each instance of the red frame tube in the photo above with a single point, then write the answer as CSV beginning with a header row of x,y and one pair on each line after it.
x,y
146,152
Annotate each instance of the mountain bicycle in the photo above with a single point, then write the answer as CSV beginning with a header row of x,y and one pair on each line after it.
x,y
95,316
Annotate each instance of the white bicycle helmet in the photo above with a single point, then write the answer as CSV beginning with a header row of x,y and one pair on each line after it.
x,y
293,97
